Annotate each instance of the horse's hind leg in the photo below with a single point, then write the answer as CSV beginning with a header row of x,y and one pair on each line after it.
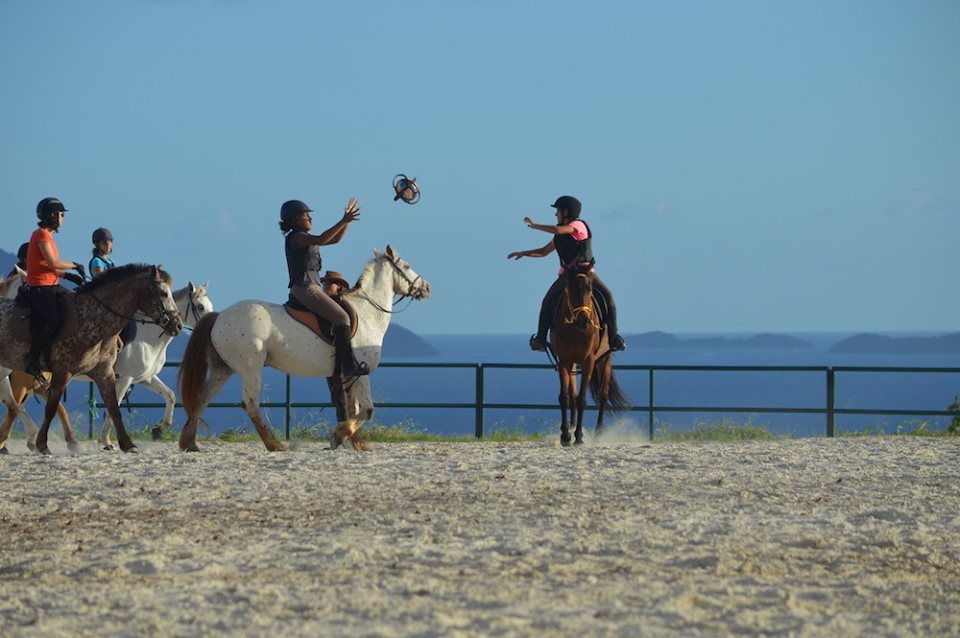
x,y
104,439
251,405
68,434
219,375
358,408
170,400
605,371
587,372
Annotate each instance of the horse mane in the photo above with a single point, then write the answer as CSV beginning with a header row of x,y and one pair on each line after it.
x,y
121,273
366,274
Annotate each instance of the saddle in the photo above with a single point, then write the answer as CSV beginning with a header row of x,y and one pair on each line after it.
x,y
26,320
322,327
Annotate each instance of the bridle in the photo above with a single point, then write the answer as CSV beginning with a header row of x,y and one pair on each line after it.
x,y
415,288
575,312
165,316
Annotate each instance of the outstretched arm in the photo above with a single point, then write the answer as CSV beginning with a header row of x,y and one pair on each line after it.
x,y
335,233
536,252
562,229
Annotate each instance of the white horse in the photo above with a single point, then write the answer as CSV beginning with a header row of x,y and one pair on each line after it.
x,y
139,362
251,334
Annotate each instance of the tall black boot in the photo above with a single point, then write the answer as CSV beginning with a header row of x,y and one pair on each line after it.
x,y
349,366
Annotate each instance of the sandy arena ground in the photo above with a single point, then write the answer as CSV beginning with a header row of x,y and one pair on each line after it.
x,y
812,537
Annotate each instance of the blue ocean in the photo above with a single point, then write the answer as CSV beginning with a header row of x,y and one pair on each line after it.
x,y
868,390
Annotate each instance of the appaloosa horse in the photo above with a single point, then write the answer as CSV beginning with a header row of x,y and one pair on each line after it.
x,y
251,334
87,344
139,362
577,342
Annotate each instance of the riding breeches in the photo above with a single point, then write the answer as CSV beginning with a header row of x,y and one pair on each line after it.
x,y
319,302
550,302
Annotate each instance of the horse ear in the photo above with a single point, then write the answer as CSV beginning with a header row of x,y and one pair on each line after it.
x,y
377,253
155,271
21,272
191,288
391,253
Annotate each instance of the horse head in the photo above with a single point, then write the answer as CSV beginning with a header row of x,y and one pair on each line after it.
x,y
194,302
406,281
579,295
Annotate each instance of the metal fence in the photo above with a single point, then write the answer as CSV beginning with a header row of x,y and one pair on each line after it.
x,y
829,408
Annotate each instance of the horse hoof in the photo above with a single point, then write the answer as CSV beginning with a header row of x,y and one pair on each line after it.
x,y
565,442
132,449
73,446
32,447
44,451
156,433
578,442
4,450
190,448
109,448
335,442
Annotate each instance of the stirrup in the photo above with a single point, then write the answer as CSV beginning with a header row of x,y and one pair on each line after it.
x,y
537,344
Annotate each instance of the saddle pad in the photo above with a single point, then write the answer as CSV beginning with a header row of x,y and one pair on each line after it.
x,y
322,327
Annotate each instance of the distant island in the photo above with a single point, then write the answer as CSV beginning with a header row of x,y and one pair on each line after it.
x,y
7,260
400,342
765,341
867,343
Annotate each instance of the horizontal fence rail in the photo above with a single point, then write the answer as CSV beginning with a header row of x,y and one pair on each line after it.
x,y
829,409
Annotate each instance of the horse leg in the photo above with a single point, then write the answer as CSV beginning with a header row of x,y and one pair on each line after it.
x,y
155,384
251,405
587,372
606,368
219,375
358,408
107,383
13,409
121,387
68,435
57,385
565,380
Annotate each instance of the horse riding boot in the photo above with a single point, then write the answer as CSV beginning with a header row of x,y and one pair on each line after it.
x,y
617,343
349,366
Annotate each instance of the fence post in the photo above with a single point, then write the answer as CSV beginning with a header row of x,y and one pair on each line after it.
x,y
831,400
650,411
286,417
478,402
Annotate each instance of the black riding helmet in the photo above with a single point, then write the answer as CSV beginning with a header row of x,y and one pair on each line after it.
x,y
568,203
292,209
47,210
102,234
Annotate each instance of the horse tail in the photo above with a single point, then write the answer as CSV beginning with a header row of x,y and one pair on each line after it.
x,y
196,360
617,401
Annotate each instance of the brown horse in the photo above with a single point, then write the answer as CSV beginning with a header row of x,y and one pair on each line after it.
x,y
579,342
16,389
87,343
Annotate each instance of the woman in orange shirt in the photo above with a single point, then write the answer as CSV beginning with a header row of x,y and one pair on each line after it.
x,y
44,269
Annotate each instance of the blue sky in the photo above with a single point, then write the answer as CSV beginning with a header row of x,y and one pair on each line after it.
x,y
745,166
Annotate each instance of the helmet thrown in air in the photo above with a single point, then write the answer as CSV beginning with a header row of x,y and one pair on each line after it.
x,y
293,208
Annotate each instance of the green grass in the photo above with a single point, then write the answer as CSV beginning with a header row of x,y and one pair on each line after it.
x,y
725,430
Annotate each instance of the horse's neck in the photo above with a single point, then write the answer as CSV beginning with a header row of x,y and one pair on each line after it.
x,y
108,307
372,296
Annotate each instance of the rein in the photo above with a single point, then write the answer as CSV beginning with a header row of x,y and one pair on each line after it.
x,y
413,289
587,309
163,323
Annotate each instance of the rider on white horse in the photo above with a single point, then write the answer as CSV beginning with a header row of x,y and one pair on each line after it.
x,y
303,265
100,263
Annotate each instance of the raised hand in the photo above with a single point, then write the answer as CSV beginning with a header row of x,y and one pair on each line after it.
x,y
351,211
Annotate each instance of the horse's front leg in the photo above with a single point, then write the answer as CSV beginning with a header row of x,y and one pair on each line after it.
x,y
357,408
587,372
122,384
566,378
57,385
170,400
107,383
